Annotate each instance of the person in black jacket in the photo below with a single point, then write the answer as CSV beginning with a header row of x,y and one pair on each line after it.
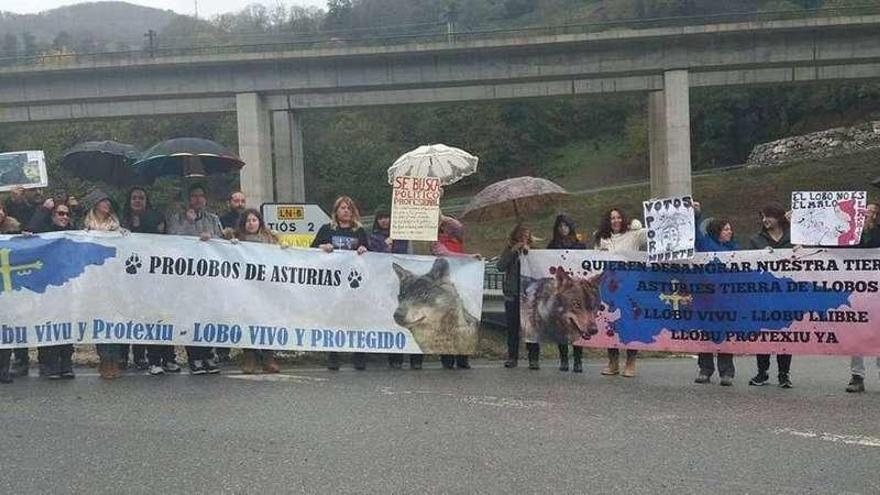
x,y
518,243
565,237
56,360
139,216
775,234
8,226
343,232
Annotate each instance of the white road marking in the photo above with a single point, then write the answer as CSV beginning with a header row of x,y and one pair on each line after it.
x,y
277,378
480,400
862,440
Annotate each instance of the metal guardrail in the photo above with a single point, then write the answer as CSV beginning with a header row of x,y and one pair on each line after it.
x,y
214,44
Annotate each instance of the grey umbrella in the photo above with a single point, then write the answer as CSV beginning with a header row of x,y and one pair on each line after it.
x,y
513,198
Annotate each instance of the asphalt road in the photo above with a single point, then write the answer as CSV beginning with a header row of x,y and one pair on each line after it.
x,y
487,430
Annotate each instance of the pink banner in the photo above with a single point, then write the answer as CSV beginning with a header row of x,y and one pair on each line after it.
x,y
809,301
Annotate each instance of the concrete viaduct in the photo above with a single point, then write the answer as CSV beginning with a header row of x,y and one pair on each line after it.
x,y
269,90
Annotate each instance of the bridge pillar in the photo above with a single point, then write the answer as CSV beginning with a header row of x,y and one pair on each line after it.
x,y
255,148
669,135
287,148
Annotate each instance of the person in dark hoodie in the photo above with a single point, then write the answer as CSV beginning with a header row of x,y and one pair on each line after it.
x,y
56,361
380,242
718,237
565,237
775,234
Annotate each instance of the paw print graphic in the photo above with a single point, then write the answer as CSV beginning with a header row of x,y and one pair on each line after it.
x,y
355,279
133,264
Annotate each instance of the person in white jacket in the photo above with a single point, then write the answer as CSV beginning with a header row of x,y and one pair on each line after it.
x,y
616,233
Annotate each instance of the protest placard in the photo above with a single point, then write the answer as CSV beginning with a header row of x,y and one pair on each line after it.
x,y
670,224
827,218
415,208
25,169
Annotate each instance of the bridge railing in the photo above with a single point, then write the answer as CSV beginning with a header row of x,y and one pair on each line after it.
x,y
233,43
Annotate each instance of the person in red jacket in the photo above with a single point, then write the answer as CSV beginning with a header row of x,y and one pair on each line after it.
x,y
450,242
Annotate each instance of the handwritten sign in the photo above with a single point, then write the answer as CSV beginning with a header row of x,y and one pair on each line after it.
x,y
670,224
827,218
415,208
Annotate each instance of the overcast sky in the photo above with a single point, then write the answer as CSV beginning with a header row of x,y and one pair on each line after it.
x,y
207,8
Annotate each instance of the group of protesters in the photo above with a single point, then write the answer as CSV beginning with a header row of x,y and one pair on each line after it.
x,y
98,212
616,233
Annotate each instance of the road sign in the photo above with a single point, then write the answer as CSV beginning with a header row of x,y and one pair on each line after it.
x,y
295,224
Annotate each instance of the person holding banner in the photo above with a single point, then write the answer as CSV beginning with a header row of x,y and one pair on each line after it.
x,y
8,226
197,221
718,237
139,216
55,361
381,242
617,233
775,234
251,228
100,217
344,232
870,239
229,221
565,237
518,243
19,205
450,242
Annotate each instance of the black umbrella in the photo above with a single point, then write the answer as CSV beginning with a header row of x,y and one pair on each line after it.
x,y
107,161
187,157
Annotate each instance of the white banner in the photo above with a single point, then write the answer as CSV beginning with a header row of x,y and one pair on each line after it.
x,y
827,218
88,288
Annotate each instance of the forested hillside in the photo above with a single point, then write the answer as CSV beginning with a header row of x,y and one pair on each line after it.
x,y
582,142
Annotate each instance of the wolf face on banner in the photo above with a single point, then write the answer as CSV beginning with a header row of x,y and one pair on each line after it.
x,y
430,307
559,309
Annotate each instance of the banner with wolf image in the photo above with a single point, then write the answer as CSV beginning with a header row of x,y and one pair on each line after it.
x,y
93,288
805,301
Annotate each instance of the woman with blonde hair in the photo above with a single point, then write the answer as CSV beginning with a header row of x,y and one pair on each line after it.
x,y
251,228
343,232
101,217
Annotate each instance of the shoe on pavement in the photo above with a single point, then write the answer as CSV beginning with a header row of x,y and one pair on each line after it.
x,y
759,380
702,378
726,381
511,363
211,367
197,367
156,370
171,367
785,381
856,384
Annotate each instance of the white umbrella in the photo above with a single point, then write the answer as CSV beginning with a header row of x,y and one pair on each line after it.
x,y
446,163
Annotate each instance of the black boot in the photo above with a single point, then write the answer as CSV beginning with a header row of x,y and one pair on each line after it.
x,y
65,362
22,362
856,384
448,361
5,377
333,361
578,359
463,362
415,361
563,357
359,360
534,356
